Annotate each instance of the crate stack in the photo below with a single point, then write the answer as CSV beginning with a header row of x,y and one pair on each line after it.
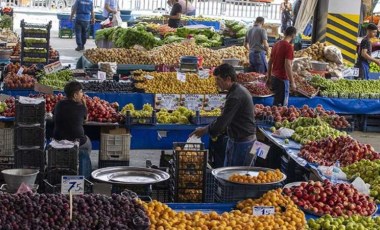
x,y
114,150
6,150
60,162
188,173
66,26
35,43
29,136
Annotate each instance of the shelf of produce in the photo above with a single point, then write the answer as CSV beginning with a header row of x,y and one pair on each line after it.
x,y
202,207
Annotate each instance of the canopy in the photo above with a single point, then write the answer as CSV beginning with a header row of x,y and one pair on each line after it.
x,y
305,13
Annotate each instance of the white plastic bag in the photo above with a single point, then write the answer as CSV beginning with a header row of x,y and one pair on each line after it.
x,y
116,19
333,53
105,22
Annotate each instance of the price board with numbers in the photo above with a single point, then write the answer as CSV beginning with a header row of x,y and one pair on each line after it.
x,y
73,184
213,101
350,72
167,101
263,210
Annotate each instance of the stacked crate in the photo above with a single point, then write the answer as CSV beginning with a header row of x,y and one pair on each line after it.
x,y
188,173
66,26
114,150
29,136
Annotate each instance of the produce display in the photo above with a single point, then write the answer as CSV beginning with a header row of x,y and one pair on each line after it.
x,y
14,81
168,83
234,29
249,77
179,116
30,41
56,80
146,112
369,171
304,87
203,37
166,54
107,86
262,177
6,21
8,35
314,133
52,211
315,52
374,68
354,222
102,111
10,107
211,113
344,149
3,107
328,198
162,217
29,70
258,89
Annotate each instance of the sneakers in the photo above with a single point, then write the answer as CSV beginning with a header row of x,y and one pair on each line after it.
x,y
79,48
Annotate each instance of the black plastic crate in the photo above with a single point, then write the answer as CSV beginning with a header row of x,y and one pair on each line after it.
x,y
36,44
24,25
34,55
104,164
189,156
129,120
233,42
210,187
30,158
140,190
227,192
188,179
6,159
35,34
54,176
56,188
30,114
7,142
29,136
187,196
161,195
202,120
371,123
62,158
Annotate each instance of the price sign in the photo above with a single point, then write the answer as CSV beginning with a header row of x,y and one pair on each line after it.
x,y
53,67
73,184
192,101
260,149
20,71
102,75
149,77
376,54
43,88
213,101
203,74
350,72
263,210
181,77
167,101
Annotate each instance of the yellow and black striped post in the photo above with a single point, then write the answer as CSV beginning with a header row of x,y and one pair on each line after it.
x,y
342,31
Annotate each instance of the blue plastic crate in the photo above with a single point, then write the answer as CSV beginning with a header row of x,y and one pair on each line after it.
x,y
66,24
126,18
97,26
63,16
125,12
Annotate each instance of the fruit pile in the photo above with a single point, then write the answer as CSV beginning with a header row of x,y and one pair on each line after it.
x,y
249,77
14,81
354,222
3,107
138,116
52,211
162,217
212,113
328,198
108,86
263,177
50,99
369,171
314,51
29,70
102,111
56,80
179,116
304,87
344,149
168,83
258,89
374,68
314,133
10,109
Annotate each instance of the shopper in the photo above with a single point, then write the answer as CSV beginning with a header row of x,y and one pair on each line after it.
x,y
175,14
69,116
110,7
237,118
84,12
256,41
364,52
286,12
280,68
187,7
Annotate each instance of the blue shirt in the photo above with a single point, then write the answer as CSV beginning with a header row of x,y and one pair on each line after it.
x,y
83,9
112,4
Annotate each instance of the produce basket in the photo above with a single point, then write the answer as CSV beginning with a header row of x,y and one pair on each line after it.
x,y
189,156
30,137
318,66
62,158
129,120
30,158
6,142
15,177
30,113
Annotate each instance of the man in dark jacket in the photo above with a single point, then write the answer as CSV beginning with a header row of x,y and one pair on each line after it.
x,y
237,118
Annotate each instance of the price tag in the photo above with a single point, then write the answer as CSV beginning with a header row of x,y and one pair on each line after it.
x,y
20,71
149,77
376,54
181,77
53,67
102,75
263,210
73,184
350,72
43,88
192,101
167,101
213,101
203,74
260,149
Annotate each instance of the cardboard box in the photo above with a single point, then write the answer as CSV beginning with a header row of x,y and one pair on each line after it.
x,y
272,29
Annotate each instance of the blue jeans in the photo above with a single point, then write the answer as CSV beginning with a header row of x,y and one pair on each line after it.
x,y
281,91
363,70
237,153
191,13
81,28
85,167
258,61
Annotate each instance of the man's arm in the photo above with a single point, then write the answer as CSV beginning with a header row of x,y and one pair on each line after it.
x,y
266,45
73,10
246,44
108,8
289,73
368,57
220,124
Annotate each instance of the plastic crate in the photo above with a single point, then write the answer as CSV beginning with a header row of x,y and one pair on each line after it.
x,y
30,158
63,17
35,55
115,147
105,164
189,156
97,26
371,123
29,137
30,114
187,196
161,195
129,120
37,45
54,176
7,142
65,33
210,187
63,158
56,188
233,42
141,190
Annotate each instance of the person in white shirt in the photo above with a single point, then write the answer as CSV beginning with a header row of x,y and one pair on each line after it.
x,y
187,8
110,6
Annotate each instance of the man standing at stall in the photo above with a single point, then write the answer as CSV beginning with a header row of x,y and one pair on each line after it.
x,y
187,8
110,7
237,118
84,11
175,14
280,68
256,41
364,52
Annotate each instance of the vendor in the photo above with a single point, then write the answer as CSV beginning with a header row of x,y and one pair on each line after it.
x,y
280,68
187,8
110,6
69,116
364,52
237,118
256,41
175,14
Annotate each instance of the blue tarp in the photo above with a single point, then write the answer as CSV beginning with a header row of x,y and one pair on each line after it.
x,y
214,24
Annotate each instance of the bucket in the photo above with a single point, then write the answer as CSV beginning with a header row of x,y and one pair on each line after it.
x,y
15,177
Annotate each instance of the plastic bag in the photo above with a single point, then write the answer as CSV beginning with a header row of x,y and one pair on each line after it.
x,y
109,67
283,133
105,22
116,19
333,53
24,188
361,186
